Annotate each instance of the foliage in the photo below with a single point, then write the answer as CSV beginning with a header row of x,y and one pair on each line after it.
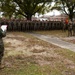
x,y
26,8
7,7
67,6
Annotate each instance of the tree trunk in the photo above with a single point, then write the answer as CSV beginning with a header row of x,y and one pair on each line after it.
x,y
71,16
29,17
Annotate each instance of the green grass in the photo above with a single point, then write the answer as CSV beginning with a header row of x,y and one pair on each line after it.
x,y
32,69
67,54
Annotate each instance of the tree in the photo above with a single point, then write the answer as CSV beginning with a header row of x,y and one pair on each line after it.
x,y
7,7
67,6
26,8
30,7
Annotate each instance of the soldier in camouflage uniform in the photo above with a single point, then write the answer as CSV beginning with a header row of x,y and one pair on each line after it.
x,y
2,34
63,25
73,28
70,29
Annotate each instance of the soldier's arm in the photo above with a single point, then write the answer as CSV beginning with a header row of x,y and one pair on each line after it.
x,y
2,33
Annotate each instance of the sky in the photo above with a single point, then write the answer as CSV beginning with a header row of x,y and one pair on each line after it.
x,y
54,12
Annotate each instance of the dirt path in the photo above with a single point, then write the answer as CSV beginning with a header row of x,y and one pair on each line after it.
x,y
56,41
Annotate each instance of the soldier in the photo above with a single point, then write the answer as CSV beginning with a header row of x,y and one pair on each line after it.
x,y
2,34
73,28
70,29
63,25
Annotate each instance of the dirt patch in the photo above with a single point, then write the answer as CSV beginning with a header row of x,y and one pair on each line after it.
x,y
33,50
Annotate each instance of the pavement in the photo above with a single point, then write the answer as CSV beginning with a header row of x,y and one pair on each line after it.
x,y
56,41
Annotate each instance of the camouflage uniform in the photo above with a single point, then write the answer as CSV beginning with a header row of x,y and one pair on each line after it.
x,y
64,26
73,28
70,29
2,34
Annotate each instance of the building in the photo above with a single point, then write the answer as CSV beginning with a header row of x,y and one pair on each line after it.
x,y
56,18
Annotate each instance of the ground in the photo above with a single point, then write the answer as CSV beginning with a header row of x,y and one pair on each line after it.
x,y
23,50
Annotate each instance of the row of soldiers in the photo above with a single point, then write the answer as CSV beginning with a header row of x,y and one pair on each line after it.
x,y
70,26
22,25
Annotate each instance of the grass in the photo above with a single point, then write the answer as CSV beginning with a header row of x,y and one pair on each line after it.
x,y
58,33
67,54
30,69
37,58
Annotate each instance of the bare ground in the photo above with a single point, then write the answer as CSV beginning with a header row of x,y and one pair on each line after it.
x,y
29,49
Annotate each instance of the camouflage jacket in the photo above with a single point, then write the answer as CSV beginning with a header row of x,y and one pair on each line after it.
x,y
2,34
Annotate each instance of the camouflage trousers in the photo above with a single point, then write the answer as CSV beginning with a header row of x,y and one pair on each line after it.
x,y
70,32
1,50
73,31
